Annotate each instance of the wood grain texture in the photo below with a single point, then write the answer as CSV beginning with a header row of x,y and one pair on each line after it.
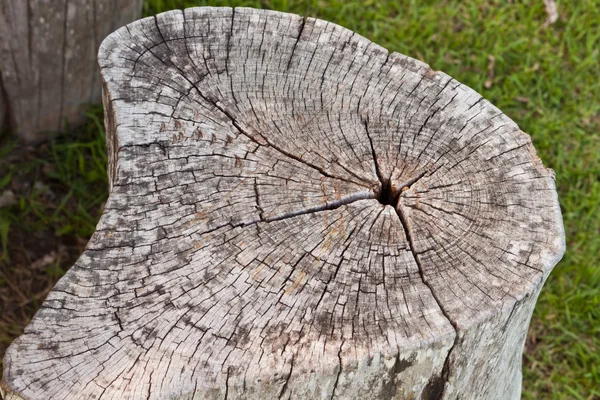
x,y
295,212
48,59
3,107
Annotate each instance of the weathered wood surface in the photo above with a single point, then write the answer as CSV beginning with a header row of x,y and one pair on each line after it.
x,y
3,106
295,213
48,60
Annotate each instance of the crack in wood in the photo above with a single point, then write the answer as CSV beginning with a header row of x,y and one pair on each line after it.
x,y
388,196
406,226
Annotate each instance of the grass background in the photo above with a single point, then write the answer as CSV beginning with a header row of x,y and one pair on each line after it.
x,y
546,78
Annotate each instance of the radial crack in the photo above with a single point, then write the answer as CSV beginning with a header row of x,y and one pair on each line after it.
x,y
235,123
384,182
287,380
406,226
337,378
300,30
332,205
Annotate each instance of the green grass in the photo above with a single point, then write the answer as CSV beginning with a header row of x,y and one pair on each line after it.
x,y
63,179
545,78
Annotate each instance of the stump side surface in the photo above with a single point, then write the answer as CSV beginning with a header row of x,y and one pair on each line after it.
x,y
48,67
295,212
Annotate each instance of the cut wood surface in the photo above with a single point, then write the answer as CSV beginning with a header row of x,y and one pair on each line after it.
x,y
295,213
48,61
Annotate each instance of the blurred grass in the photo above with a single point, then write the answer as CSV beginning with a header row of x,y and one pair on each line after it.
x,y
75,169
545,78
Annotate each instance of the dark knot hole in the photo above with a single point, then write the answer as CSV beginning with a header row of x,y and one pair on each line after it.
x,y
388,196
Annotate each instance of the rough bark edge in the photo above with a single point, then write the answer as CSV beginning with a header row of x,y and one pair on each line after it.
x,y
112,138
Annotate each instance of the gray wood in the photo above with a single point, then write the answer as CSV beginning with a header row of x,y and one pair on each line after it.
x,y
48,59
244,251
3,110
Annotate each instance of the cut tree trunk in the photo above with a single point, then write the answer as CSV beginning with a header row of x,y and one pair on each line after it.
x,y
295,213
3,106
48,59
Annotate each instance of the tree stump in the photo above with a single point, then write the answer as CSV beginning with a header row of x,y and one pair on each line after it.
x,y
295,213
48,68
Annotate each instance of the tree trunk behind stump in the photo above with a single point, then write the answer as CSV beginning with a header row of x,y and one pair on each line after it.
x,y
295,213
3,106
48,61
